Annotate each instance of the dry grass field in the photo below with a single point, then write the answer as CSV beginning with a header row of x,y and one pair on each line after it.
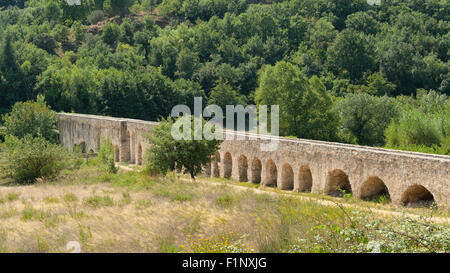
x,y
133,212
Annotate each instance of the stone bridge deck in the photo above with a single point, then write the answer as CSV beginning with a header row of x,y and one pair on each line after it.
x,y
296,164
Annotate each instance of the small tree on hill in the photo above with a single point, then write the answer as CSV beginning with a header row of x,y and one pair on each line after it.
x,y
187,156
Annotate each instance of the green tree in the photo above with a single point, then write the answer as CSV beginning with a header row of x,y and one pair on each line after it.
x,y
305,106
223,94
110,33
366,117
351,52
29,158
120,6
379,85
185,155
9,73
415,127
31,118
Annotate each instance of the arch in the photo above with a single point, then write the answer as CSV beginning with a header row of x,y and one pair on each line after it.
x,y
287,177
271,173
82,145
337,181
128,148
116,153
227,165
207,169
133,156
373,188
417,196
243,167
256,170
139,154
304,179
215,165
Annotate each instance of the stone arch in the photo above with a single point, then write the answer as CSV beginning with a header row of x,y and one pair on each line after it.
x,y
372,188
337,180
139,154
216,166
304,179
128,148
243,168
256,170
287,177
133,151
207,169
271,174
82,145
227,165
116,153
417,196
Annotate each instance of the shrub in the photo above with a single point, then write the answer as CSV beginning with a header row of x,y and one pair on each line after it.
x,y
96,16
414,128
31,118
106,156
30,158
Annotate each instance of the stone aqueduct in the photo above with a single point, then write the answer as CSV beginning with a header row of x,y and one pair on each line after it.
x,y
299,165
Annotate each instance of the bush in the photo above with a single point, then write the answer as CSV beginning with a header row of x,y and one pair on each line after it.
x,y
46,42
96,16
31,118
414,128
106,156
30,158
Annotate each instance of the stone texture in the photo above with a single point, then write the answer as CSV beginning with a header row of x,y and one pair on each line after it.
x,y
311,163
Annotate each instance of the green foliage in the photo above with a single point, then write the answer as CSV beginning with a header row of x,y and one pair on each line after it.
x,y
184,155
424,124
304,105
31,158
106,156
96,16
220,50
351,53
110,33
120,6
366,117
225,200
223,94
416,128
31,118
46,42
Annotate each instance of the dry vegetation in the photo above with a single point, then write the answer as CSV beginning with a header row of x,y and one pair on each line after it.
x,y
133,212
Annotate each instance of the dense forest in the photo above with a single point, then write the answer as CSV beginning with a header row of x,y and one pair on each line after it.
x,y
341,70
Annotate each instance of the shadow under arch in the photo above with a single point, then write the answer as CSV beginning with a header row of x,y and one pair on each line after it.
x,y
304,179
337,183
417,196
373,188
243,168
227,165
271,174
215,166
287,177
256,171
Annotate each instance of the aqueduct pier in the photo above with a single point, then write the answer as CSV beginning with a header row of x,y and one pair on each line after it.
x,y
296,164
